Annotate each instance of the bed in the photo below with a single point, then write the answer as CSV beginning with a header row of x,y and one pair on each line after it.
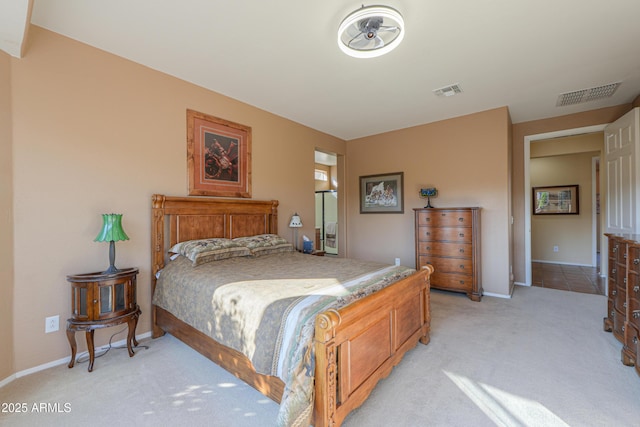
x,y
354,344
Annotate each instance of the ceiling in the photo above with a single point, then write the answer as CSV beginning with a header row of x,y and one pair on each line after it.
x,y
282,55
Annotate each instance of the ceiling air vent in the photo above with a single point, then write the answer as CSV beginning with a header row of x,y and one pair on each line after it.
x,y
448,90
585,95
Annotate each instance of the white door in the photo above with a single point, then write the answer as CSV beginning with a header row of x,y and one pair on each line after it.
x,y
621,141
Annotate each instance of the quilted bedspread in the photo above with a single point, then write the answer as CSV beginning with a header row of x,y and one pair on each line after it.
x,y
265,307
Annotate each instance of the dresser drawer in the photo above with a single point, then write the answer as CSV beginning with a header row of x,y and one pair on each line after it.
x,y
634,312
634,258
618,325
460,250
451,281
616,250
611,285
631,342
620,299
633,288
445,233
448,265
445,219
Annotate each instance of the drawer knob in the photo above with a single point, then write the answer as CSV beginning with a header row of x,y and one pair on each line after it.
x,y
636,314
428,248
614,292
95,301
427,233
461,250
615,249
613,271
461,266
636,261
461,219
461,235
635,340
636,288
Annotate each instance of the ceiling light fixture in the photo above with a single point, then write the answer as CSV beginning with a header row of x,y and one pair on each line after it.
x,y
371,31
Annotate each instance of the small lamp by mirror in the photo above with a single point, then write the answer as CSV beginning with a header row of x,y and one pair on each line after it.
x,y
295,223
428,193
111,232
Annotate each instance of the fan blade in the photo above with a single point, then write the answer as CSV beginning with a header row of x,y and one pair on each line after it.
x,y
359,42
378,42
388,29
353,31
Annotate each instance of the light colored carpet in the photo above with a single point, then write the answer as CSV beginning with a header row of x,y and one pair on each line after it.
x,y
539,359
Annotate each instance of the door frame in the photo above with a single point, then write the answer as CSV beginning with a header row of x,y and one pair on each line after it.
x,y
528,140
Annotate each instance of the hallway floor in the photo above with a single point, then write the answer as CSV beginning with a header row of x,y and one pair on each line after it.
x,y
573,278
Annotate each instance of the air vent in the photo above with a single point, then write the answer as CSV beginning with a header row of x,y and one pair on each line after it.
x,y
586,95
450,90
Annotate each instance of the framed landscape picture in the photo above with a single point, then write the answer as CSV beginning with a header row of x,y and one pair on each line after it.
x,y
218,156
382,193
556,200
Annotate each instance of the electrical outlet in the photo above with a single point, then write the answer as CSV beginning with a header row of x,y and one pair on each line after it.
x,y
397,261
555,248
51,324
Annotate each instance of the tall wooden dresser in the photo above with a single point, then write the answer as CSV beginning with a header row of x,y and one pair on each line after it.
x,y
623,302
449,240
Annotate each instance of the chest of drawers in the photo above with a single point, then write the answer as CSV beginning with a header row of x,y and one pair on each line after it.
x,y
449,240
623,298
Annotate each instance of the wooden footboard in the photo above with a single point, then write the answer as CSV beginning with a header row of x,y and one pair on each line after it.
x,y
361,343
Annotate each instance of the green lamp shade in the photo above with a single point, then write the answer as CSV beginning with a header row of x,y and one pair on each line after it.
x,y
428,192
111,229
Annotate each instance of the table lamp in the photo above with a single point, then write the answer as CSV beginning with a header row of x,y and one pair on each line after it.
x,y
111,232
428,193
295,223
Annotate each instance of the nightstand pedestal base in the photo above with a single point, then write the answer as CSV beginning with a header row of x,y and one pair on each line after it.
x,y
89,327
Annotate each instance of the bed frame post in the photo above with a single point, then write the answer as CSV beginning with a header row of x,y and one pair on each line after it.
x,y
273,226
157,250
427,303
326,385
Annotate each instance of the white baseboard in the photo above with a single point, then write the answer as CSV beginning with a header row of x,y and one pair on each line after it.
x,y
7,380
65,360
491,294
563,263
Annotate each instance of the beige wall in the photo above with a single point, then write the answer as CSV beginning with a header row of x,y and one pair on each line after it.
x,y
572,234
536,127
6,222
567,145
95,133
465,158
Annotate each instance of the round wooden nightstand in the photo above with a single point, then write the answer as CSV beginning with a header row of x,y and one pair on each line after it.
x,y
101,300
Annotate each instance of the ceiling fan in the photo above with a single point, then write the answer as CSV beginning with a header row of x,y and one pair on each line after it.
x,y
371,31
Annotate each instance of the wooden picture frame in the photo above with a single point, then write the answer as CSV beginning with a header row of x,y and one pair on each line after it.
x,y
218,156
382,193
556,200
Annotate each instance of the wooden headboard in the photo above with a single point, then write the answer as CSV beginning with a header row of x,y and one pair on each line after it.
x,y
177,219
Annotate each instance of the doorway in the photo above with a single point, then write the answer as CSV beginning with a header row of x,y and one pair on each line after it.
x,y
327,233
528,140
